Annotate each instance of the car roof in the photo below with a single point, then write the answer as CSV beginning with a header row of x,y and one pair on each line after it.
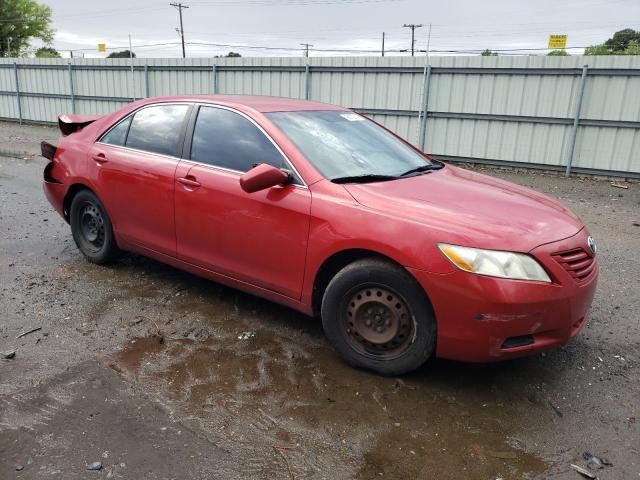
x,y
258,103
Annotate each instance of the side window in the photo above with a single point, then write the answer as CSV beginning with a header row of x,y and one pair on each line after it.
x,y
226,139
157,129
118,134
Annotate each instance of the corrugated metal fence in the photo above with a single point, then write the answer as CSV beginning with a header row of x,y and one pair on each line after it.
x,y
538,111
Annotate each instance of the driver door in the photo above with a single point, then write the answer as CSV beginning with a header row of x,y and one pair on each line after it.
x,y
260,238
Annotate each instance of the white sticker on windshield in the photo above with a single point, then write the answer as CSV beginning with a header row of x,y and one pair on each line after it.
x,y
352,117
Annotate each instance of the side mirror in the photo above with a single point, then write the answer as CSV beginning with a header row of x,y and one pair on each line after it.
x,y
263,176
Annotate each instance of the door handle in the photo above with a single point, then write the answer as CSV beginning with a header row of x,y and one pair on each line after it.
x,y
100,158
189,181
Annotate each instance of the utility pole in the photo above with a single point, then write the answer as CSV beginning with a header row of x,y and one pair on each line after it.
x,y
306,48
383,44
429,41
180,6
133,88
413,27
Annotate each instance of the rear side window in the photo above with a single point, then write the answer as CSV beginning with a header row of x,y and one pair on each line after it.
x,y
118,134
157,129
226,139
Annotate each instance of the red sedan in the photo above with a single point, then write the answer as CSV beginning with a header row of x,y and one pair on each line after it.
x,y
321,209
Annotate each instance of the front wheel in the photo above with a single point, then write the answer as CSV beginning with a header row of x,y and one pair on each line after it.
x,y
91,228
378,317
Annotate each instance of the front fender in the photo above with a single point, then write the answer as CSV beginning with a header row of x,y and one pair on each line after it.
x,y
338,223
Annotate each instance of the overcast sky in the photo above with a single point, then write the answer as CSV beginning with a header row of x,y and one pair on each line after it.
x,y
460,25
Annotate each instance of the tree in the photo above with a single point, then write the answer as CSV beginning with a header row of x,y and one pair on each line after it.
x,y
233,55
489,53
120,54
623,42
47,52
620,40
557,53
20,21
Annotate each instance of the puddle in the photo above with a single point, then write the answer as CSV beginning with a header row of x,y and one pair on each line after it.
x,y
261,382
130,359
271,399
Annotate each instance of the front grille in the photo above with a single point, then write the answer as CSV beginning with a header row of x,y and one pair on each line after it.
x,y
577,261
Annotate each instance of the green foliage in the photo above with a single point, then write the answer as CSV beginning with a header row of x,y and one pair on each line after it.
x,y
120,54
488,53
596,50
20,21
47,52
620,40
557,53
623,42
233,55
633,48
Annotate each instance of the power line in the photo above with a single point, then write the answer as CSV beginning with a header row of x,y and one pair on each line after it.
x,y
298,49
146,45
180,6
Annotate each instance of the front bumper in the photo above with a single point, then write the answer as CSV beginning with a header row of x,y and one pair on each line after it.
x,y
483,319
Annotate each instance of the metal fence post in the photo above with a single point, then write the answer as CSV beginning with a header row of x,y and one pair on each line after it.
x,y
72,90
146,80
425,107
214,72
576,119
15,71
307,78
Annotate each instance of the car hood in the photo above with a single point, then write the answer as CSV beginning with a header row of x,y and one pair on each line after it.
x,y
469,208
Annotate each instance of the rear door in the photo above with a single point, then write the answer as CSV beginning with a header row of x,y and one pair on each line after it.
x,y
133,166
260,237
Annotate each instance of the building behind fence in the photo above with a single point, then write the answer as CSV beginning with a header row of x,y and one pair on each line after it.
x,y
550,112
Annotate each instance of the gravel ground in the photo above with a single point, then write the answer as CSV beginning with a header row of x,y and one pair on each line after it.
x,y
160,374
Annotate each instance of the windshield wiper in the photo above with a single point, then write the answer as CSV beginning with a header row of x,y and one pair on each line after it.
x,y
363,178
423,168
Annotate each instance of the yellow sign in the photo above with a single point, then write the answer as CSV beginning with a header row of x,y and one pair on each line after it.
x,y
102,47
558,41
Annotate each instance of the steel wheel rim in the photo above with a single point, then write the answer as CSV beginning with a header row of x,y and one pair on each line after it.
x,y
378,322
92,227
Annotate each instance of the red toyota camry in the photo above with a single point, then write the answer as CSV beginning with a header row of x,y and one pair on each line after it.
x,y
321,209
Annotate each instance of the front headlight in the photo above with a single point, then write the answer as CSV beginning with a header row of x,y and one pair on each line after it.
x,y
495,263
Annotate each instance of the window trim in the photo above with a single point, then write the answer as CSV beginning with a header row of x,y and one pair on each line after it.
x,y
128,118
186,137
130,115
188,141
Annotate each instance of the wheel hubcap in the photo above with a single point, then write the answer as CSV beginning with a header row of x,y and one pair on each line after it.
x,y
92,225
379,322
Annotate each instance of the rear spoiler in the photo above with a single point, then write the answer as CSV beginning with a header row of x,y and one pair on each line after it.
x,y
72,123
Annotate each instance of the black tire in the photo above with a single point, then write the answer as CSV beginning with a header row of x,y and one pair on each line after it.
x,y
91,228
399,337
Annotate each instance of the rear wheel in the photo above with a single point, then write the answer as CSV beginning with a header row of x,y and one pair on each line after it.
x,y
378,317
91,228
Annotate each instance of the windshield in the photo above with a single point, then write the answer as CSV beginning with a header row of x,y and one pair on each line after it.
x,y
345,145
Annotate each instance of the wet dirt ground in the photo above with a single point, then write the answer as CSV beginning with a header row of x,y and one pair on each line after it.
x,y
157,373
